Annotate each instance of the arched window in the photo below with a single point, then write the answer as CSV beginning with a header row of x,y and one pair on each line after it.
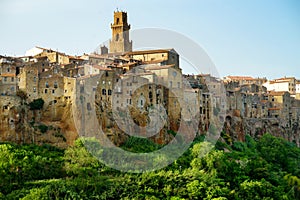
x,y
103,91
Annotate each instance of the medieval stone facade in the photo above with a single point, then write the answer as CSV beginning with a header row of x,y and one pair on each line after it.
x,y
132,85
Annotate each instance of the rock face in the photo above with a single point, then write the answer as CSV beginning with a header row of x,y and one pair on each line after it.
x,y
54,124
19,124
236,127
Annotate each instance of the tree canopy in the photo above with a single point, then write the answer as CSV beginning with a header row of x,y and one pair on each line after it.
x,y
267,168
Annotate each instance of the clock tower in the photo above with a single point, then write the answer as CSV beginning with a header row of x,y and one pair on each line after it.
x,y
120,34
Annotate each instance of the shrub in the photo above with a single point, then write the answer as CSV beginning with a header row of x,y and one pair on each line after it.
x,y
36,104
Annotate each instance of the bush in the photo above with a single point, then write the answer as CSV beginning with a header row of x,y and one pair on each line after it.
x,y
36,104
43,128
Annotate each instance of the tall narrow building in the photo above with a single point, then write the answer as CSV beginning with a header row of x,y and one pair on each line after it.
x,y
120,34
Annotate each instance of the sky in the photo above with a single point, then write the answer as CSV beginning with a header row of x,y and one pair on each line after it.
x,y
250,37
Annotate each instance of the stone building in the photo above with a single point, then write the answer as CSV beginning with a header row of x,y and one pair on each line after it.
x,y
287,84
29,80
156,56
9,69
120,34
241,80
53,56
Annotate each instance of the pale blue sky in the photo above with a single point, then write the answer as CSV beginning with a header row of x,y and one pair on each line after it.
x,y
249,37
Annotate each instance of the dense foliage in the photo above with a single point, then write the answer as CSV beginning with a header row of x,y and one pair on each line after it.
x,y
265,169
36,104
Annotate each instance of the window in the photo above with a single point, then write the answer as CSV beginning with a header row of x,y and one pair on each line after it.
x,y
46,91
34,89
142,102
47,84
12,89
5,79
150,95
8,69
118,20
34,79
53,91
55,84
109,92
12,79
178,84
170,84
103,91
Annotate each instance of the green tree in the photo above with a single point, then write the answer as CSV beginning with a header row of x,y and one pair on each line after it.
x,y
36,104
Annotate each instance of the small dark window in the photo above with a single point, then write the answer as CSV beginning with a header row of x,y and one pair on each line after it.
x,y
55,85
103,91
109,92
88,106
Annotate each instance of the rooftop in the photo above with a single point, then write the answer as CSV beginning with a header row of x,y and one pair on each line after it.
x,y
150,51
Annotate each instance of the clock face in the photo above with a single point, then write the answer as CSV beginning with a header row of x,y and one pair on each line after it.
x,y
174,74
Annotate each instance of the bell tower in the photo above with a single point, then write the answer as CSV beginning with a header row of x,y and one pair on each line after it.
x,y
120,34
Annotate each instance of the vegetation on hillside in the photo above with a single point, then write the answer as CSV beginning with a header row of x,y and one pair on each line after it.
x,y
268,168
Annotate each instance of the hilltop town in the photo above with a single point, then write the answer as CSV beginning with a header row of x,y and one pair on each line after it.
x,y
40,89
